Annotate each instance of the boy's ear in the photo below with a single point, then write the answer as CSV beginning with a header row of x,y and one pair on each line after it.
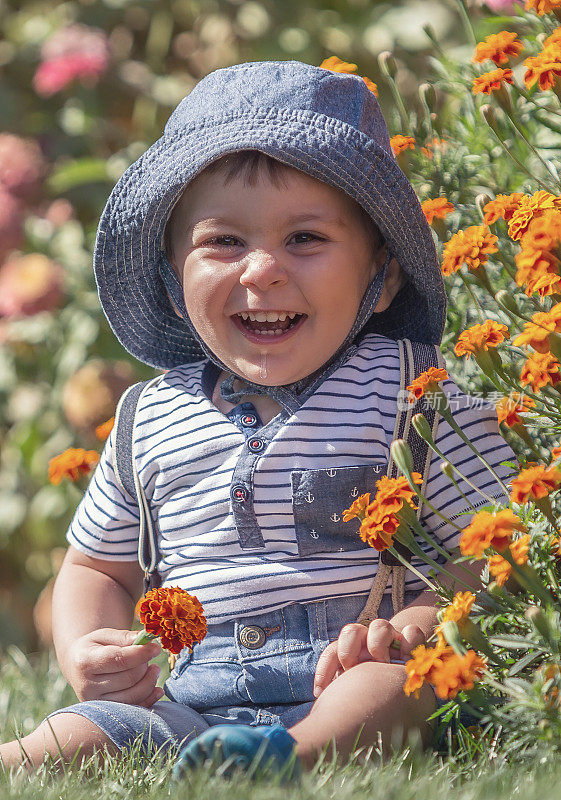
x,y
395,278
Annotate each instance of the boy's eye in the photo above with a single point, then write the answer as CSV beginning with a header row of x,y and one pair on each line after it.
x,y
224,241
305,237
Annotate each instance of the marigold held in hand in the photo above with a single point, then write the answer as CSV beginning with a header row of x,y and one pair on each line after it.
x,y
481,337
72,464
172,615
489,530
498,47
471,246
440,666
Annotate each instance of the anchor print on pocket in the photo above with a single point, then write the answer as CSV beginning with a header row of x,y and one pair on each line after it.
x,y
319,497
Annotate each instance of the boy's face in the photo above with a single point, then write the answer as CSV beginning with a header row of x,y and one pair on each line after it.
x,y
299,252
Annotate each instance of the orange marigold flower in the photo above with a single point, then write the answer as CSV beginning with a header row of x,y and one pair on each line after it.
x,y
419,668
530,207
392,492
542,7
334,64
489,530
503,206
540,369
534,483
458,611
434,144
102,431
509,407
498,47
544,69
173,615
471,246
381,519
358,508
372,86
436,208
426,381
554,39
491,81
555,453
481,337
500,568
400,143
456,673
538,261
72,464
378,528
536,333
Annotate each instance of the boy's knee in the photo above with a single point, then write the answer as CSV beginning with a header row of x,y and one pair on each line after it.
x,y
66,735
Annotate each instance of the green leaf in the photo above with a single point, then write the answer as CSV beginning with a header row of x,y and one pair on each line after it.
x,y
78,173
522,663
514,643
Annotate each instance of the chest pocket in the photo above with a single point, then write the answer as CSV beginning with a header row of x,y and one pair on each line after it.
x,y
319,497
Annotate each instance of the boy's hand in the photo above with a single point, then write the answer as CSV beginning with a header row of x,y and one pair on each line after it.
x,y
357,643
106,665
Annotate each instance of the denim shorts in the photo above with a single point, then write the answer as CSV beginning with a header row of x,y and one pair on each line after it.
x,y
255,670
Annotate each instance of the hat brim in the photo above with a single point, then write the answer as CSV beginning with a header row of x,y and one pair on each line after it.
x,y
128,248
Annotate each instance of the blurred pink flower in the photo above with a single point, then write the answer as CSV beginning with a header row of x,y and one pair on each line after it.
x,y
57,212
500,6
11,222
22,166
76,51
29,284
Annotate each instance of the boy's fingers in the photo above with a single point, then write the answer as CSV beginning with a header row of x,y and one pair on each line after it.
x,y
327,666
381,634
412,637
110,658
138,693
350,644
116,681
156,694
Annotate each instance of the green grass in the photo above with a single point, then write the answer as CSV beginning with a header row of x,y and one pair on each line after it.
x,y
31,689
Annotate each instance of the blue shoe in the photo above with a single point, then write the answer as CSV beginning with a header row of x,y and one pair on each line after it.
x,y
258,750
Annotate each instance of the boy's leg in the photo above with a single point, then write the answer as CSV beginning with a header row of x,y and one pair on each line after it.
x,y
66,733
368,696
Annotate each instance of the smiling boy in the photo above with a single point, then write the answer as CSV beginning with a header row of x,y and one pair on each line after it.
x,y
267,253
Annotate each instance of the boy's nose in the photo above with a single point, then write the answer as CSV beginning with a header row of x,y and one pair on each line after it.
x,y
263,269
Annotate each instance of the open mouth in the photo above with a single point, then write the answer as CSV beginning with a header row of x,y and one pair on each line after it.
x,y
271,324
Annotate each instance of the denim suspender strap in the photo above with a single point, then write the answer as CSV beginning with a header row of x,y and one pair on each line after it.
x,y
127,476
414,358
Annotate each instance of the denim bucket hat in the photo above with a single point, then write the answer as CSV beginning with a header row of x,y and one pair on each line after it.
x,y
326,124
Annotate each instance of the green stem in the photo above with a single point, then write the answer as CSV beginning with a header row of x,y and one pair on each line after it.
x,y
466,22
473,297
417,551
441,455
447,414
416,572
519,163
531,146
144,637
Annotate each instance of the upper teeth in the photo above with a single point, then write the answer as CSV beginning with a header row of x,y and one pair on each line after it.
x,y
267,316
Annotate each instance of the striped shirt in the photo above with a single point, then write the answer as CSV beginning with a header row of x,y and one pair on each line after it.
x,y
291,545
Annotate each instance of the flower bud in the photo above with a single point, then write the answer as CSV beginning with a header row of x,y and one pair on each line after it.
x,y
447,468
480,201
427,95
451,633
488,115
505,298
387,64
401,454
419,422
